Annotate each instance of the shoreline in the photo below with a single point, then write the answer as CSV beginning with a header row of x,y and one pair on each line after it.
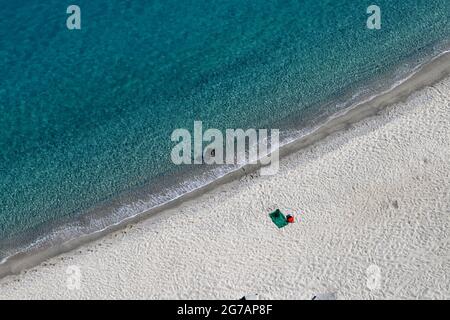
x,y
428,74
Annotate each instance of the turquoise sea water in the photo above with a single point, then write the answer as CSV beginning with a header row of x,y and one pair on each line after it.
x,y
86,115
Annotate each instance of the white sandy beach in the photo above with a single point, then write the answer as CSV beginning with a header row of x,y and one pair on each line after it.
x,y
375,196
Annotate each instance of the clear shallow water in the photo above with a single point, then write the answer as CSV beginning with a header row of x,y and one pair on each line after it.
x,y
86,116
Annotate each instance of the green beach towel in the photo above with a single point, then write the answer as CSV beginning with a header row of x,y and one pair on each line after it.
x,y
278,218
